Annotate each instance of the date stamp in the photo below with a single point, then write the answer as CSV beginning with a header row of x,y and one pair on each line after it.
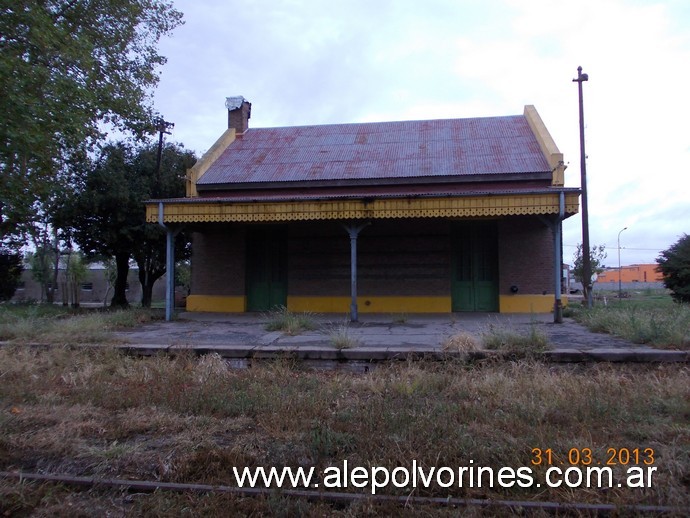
x,y
587,457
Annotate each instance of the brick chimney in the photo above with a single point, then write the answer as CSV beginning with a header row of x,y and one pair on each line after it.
x,y
239,112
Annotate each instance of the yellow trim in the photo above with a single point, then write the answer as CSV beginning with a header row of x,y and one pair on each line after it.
x,y
370,304
527,303
216,304
454,207
507,304
202,165
548,146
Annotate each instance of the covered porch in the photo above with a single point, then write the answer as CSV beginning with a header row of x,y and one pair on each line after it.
x,y
492,252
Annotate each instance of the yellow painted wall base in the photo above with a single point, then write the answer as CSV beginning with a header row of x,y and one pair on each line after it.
x,y
528,303
507,304
216,304
370,304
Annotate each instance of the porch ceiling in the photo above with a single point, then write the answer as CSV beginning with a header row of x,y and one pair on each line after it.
x,y
198,210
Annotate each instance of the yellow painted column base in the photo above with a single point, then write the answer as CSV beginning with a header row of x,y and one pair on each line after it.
x,y
216,304
528,303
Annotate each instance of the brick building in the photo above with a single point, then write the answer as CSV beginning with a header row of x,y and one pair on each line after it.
x,y
415,216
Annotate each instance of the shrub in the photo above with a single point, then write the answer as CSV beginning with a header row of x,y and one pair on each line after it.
x,y
674,264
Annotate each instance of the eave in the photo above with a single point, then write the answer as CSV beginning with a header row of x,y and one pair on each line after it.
x,y
306,208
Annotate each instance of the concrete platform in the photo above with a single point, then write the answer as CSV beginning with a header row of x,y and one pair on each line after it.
x,y
243,337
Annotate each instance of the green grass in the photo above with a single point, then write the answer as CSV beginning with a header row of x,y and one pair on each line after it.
x,y
514,341
648,318
51,324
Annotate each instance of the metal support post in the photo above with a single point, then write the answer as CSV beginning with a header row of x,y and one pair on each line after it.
x,y
558,260
353,231
170,274
170,234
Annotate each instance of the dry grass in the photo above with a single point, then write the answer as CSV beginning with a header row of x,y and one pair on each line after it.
x,y
461,342
188,419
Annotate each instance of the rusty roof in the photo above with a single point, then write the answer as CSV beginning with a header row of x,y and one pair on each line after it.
x,y
383,151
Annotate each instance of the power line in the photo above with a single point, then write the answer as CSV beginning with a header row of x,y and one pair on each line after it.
x,y
623,248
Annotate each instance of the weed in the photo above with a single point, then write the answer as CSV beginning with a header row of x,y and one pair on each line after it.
x,y
281,319
341,336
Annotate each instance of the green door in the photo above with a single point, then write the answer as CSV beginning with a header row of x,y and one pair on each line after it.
x,y
266,267
474,267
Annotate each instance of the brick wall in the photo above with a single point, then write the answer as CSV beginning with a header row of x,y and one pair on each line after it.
x,y
395,258
525,256
218,260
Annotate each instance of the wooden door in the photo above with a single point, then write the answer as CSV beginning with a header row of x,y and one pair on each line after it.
x,y
266,267
474,283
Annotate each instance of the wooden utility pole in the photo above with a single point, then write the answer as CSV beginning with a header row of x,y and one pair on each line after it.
x,y
586,260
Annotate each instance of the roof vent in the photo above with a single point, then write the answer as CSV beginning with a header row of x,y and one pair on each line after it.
x,y
239,112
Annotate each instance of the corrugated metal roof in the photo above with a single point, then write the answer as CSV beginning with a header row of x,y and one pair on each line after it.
x,y
383,150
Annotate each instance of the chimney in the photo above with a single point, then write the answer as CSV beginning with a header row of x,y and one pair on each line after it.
x,y
239,112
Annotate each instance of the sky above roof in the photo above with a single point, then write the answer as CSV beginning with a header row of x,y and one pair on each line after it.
x,y
304,62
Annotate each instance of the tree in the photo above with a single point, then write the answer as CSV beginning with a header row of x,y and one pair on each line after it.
x,y
596,258
105,211
68,69
10,272
108,216
166,183
674,265
43,263
76,270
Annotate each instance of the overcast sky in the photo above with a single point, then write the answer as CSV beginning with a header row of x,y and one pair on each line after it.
x,y
302,62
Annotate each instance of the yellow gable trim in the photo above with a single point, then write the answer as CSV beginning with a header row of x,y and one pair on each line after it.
x,y
202,165
547,144
461,207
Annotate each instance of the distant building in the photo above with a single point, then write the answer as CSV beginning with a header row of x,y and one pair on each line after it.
x,y
632,273
94,288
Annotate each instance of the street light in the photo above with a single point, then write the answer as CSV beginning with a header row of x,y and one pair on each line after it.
x,y
586,261
620,293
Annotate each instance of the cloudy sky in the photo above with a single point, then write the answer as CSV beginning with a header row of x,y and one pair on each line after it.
x,y
302,62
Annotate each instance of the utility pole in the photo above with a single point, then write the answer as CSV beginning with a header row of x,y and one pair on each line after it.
x,y
162,129
586,260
